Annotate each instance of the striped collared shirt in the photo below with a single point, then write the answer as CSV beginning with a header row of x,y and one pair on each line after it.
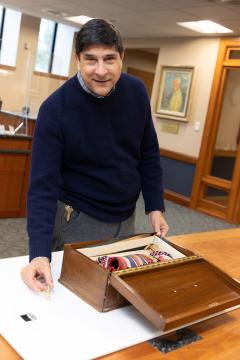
x,y
89,91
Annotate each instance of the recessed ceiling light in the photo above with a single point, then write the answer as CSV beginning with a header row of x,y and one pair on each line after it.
x,y
82,19
227,2
54,12
205,26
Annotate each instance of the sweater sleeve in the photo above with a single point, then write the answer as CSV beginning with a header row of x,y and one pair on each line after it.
x,y
48,144
150,166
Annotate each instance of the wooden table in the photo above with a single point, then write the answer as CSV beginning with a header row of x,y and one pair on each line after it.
x,y
220,335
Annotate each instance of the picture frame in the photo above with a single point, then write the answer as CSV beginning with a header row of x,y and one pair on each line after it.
x,y
174,92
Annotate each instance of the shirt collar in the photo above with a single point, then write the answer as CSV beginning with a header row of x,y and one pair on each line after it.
x,y
89,91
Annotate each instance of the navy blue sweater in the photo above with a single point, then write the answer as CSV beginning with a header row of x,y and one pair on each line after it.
x,y
95,154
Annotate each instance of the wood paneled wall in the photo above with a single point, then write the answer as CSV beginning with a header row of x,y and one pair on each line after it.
x,y
15,153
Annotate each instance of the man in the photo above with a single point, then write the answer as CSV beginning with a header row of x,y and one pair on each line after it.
x,y
94,150
176,99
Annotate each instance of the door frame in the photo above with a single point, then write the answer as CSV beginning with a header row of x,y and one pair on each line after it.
x,y
231,211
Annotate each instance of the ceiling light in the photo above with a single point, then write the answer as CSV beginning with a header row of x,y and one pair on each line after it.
x,y
205,26
227,2
53,12
82,19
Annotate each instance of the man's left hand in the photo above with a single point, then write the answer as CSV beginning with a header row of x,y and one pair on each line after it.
x,y
158,223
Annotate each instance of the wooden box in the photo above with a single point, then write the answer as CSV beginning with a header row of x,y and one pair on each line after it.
x,y
170,294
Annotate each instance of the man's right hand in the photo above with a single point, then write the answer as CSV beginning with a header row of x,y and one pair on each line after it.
x,y
37,275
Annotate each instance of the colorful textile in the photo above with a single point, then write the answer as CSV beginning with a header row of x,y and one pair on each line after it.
x,y
161,255
113,263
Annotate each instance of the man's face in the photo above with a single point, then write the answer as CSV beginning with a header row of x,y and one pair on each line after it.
x,y
100,67
176,84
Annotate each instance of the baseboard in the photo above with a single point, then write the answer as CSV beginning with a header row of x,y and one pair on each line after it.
x,y
177,198
178,156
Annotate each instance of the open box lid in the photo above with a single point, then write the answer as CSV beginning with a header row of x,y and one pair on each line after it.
x,y
177,293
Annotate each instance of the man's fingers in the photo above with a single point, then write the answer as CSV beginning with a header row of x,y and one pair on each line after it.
x,y
162,232
39,285
37,275
43,271
48,279
164,229
29,279
158,223
36,285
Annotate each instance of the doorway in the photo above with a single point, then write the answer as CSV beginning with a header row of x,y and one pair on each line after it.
x,y
216,188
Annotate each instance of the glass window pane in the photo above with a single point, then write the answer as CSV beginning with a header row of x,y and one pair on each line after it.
x,y
1,11
63,49
45,40
234,54
223,164
228,134
11,31
216,195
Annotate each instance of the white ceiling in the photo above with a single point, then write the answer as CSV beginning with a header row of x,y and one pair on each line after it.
x,y
139,18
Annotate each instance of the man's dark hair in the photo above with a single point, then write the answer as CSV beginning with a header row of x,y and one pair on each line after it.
x,y
101,32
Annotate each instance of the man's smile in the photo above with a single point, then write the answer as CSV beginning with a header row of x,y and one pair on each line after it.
x,y
101,81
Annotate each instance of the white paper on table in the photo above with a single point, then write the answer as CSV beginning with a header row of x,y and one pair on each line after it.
x,y
66,327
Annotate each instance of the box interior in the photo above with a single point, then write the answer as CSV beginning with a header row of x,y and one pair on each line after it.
x,y
130,246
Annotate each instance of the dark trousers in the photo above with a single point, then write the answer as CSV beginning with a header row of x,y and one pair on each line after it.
x,y
82,227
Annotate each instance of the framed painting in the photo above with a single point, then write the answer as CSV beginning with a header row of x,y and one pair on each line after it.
x,y
174,92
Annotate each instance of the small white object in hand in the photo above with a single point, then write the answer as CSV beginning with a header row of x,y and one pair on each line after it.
x,y
46,294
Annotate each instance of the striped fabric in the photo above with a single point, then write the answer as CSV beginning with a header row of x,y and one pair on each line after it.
x,y
113,263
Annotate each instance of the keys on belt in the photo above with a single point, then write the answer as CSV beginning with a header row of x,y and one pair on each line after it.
x,y
68,212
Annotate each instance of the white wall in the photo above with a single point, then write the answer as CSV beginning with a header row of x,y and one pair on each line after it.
x,y
202,55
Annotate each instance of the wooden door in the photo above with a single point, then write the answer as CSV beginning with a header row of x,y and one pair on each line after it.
x,y
146,76
216,188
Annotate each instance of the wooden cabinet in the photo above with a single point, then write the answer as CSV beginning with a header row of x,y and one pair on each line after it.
x,y
15,153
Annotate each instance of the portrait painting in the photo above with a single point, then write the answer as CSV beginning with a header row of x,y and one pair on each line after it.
x,y
174,92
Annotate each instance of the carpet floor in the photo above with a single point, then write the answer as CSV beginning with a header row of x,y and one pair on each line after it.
x,y
182,220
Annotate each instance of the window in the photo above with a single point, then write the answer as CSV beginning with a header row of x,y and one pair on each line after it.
x,y
10,21
45,43
1,20
54,48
